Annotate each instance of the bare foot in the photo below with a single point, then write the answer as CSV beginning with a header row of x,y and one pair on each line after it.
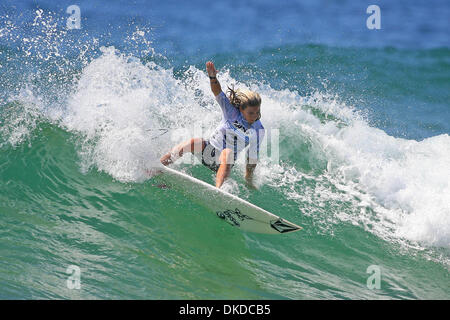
x,y
165,159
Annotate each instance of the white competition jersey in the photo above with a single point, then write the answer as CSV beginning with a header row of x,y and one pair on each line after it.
x,y
235,132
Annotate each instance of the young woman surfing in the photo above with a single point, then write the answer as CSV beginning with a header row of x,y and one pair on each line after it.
x,y
240,128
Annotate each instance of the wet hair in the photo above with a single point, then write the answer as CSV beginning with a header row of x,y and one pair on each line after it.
x,y
243,98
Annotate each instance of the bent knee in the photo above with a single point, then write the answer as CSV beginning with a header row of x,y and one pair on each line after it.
x,y
197,145
226,157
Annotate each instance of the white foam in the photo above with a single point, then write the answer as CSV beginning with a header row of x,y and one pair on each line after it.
x,y
119,106
407,177
406,182
20,118
398,188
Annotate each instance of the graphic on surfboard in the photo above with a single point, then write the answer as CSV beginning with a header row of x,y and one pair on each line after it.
x,y
232,209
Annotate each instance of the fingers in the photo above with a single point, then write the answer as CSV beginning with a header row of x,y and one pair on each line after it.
x,y
210,68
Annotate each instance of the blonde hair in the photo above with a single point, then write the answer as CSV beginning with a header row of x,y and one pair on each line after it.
x,y
243,98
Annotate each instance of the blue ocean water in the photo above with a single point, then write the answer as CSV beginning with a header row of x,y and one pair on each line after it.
x,y
364,120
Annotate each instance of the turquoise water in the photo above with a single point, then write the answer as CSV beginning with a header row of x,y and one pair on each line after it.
x,y
363,165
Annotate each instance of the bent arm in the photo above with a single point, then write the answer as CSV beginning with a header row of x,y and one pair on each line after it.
x,y
212,72
249,168
253,156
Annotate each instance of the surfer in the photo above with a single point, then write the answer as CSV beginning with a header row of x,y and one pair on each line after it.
x,y
240,128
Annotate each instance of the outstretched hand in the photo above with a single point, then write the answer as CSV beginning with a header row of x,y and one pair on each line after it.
x,y
211,69
215,85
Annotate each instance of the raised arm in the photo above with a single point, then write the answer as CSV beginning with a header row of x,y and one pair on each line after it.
x,y
215,85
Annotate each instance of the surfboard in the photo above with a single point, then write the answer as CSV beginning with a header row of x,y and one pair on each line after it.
x,y
226,206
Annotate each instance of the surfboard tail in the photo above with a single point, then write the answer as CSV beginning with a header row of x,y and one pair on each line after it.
x,y
283,226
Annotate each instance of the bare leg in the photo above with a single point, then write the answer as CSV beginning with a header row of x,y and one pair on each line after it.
x,y
193,145
226,162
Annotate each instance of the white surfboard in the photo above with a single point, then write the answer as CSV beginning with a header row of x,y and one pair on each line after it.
x,y
234,210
